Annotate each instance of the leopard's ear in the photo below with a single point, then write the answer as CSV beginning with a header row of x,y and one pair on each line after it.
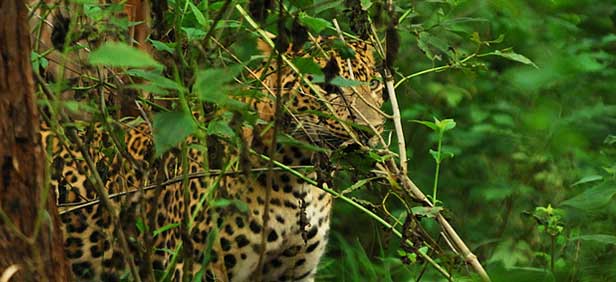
x,y
262,46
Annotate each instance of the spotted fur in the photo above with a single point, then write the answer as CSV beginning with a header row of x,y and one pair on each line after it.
x,y
296,234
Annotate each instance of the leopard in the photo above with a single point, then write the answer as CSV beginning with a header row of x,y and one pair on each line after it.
x,y
228,238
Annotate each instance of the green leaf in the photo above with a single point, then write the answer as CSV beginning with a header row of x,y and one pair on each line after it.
x,y
116,54
140,225
170,128
430,212
366,4
315,24
435,155
286,139
77,107
163,46
38,61
601,238
444,125
427,123
193,33
343,82
593,198
514,57
587,179
240,205
209,84
345,51
165,228
198,15
220,128
155,78
307,65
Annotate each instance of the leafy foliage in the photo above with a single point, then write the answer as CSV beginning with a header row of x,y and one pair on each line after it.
x,y
520,92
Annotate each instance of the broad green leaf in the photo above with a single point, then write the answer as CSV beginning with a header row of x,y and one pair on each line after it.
x,y
77,107
315,24
344,50
198,15
343,82
170,128
444,125
307,65
220,128
193,33
155,78
435,155
366,4
601,238
429,124
587,179
163,46
38,61
434,41
514,57
116,54
209,84
430,212
593,198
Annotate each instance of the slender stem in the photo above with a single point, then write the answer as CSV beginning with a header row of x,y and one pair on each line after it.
x,y
438,167
435,69
552,252
389,84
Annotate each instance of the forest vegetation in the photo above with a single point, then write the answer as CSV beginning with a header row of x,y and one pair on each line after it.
x,y
506,111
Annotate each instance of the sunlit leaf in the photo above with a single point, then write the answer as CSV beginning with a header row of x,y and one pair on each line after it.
x,y
587,179
343,82
118,54
429,124
514,57
315,24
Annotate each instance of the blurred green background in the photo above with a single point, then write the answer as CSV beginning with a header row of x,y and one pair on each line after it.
x,y
531,182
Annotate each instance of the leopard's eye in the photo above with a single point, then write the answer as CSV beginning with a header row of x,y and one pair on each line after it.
x,y
375,84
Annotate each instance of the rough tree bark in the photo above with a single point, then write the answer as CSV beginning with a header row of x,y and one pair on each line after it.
x,y
31,246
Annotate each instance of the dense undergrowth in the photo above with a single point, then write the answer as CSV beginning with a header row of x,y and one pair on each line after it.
x,y
531,181
507,106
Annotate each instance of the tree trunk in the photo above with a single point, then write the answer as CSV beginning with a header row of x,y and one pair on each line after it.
x,y
31,247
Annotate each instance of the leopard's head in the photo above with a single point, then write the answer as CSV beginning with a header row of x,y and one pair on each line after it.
x,y
338,106
352,89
